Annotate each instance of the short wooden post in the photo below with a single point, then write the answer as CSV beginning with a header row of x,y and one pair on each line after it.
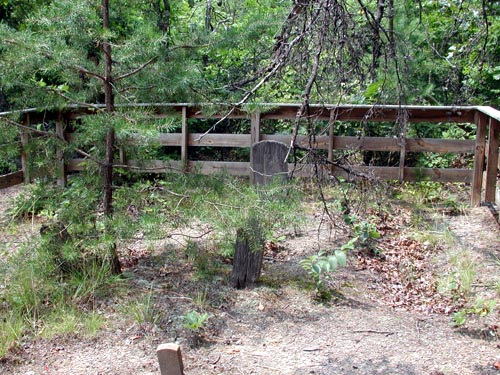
x,y
477,179
331,137
254,138
268,161
61,163
25,163
248,255
184,140
402,159
402,144
170,359
492,166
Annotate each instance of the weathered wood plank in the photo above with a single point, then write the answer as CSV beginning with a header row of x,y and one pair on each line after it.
x,y
477,182
492,166
11,179
440,145
392,173
184,139
254,138
268,161
243,169
25,162
212,167
220,140
388,144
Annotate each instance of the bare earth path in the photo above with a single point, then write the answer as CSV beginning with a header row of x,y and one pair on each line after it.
x,y
280,329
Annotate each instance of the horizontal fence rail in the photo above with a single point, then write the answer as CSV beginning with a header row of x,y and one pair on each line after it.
x,y
484,147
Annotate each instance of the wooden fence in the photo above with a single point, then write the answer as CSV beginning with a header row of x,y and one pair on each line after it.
x,y
485,147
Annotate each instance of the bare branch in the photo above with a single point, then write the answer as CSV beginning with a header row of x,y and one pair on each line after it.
x,y
137,70
81,69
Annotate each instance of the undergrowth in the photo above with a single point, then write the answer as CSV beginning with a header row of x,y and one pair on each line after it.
x,y
58,280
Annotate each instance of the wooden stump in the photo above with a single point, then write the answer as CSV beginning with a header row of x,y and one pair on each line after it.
x,y
268,161
249,249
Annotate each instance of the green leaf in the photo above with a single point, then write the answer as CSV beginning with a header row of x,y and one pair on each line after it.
x,y
333,262
349,245
341,258
316,268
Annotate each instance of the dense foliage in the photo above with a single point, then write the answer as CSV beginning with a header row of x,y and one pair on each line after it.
x,y
426,51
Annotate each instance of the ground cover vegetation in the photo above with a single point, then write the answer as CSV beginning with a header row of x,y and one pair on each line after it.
x,y
60,52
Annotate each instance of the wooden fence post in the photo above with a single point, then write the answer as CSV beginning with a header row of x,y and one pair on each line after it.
x,y
492,166
477,179
184,141
170,359
254,138
61,167
331,137
25,163
402,144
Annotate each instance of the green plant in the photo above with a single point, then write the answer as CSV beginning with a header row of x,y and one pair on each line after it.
x,y
12,329
463,273
365,232
194,321
480,308
320,267
200,299
144,311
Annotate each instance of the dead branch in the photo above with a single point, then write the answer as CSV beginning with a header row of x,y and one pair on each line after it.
x,y
137,70
81,69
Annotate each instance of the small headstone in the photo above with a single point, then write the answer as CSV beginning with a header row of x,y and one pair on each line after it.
x,y
170,359
268,161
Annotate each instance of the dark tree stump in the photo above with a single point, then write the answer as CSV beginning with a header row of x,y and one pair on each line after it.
x,y
268,161
249,250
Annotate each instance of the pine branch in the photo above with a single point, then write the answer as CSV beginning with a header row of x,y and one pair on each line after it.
x,y
81,69
137,70
51,135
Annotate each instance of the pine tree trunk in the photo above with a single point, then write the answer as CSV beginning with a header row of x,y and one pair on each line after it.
x,y
110,135
108,173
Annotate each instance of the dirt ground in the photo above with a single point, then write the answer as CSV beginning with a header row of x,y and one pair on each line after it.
x,y
277,327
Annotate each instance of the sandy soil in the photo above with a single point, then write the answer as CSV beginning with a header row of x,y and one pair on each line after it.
x,y
277,327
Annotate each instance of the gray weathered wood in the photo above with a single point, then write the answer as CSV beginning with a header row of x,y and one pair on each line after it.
x,y
477,182
492,167
25,162
268,161
170,359
184,140
254,137
249,250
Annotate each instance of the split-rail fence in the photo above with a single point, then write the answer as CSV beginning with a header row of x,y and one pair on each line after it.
x,y
483,177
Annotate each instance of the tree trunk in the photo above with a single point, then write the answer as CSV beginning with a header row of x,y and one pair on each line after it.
x,y
110,135
110,106
108,173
